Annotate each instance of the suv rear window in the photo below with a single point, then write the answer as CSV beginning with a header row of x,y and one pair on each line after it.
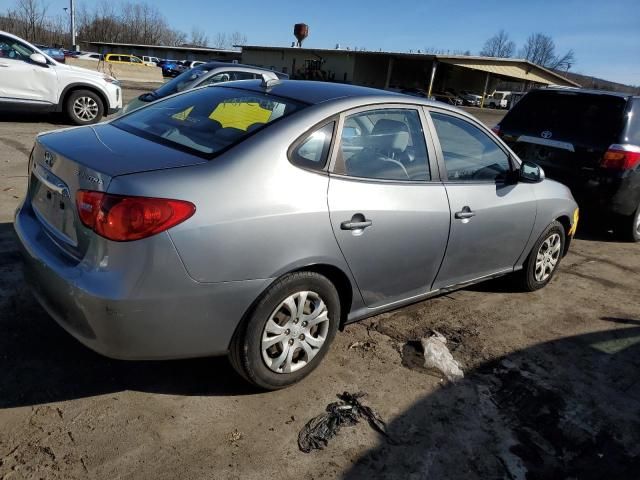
x,y
206,121
580,118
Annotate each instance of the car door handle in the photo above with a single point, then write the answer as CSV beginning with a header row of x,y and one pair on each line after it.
x,y
3,65
466,212
357,222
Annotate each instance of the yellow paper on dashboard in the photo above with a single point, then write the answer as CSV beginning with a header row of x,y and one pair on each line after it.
x,y
240,115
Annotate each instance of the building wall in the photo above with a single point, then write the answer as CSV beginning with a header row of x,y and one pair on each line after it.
x,y
338,67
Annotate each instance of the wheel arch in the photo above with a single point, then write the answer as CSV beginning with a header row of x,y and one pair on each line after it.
x,y
333,273
565,221
72,87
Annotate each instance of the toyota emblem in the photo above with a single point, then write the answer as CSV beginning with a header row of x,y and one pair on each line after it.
x,y
546,134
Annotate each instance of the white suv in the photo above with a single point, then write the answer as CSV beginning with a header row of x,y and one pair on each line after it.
x,y
33,81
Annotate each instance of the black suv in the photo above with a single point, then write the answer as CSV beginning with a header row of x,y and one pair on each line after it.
x,y
590,141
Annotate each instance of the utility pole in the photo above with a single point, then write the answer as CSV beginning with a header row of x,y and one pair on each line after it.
x,y
73,27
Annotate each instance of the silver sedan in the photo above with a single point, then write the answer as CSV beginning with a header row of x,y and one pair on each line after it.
x,y
257,218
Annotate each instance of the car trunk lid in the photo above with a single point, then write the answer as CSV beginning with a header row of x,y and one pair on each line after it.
x,y
87,158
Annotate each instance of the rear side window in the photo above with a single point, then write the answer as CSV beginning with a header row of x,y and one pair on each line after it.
x,y
313,150
206,121
578,118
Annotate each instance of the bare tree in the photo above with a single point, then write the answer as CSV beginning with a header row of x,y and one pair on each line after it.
x,y
220,41
123,21
541,50
198,37
31,16
499,46
237,38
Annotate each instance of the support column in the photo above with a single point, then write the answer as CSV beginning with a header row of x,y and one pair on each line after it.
x,y
484,93
389,69
434,66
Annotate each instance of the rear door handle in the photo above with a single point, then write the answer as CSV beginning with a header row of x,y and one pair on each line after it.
x,y
3,65
357,222
465,213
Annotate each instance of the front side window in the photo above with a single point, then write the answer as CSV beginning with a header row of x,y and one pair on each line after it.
x,y
134,60
386,144
206,121
469,153
14,50
313,151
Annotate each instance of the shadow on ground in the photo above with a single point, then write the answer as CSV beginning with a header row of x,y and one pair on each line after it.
x,y
41,363
566,409
56,119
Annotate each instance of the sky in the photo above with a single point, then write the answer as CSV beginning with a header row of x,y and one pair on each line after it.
x,y
604,34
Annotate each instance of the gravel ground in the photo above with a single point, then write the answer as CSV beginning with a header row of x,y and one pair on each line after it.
x,y
551,386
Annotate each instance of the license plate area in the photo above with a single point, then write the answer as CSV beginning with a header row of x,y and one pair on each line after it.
x,y
52,203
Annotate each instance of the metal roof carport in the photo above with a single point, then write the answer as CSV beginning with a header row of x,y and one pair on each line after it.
x,y
397,70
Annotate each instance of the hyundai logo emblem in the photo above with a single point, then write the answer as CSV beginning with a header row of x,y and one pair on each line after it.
x,y
546,134
48,159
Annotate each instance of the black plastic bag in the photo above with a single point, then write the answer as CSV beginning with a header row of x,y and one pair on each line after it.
x,y
347,412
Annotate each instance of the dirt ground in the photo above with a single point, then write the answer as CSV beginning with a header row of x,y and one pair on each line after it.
x,y
551,387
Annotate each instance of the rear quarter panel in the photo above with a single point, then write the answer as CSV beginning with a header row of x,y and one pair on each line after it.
x,y
257,216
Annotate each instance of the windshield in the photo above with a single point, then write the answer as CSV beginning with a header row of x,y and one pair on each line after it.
x,y
207,120
182,81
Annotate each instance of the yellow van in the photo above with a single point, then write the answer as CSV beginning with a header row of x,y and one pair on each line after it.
x,y
127,59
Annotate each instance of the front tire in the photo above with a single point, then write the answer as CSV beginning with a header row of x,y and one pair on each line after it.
x,y
84,107
544,259
288,332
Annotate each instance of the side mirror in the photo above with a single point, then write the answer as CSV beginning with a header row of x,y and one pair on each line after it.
x,y
38,58
531,172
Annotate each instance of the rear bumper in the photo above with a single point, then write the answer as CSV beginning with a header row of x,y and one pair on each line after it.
x,y
149,310
618,195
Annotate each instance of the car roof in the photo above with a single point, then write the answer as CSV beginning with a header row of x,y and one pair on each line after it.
x,y
317,92
588,91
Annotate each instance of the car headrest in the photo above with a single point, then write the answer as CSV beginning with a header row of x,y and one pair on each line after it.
x,y
388,135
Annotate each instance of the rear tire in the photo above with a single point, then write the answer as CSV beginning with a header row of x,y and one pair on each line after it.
x,y
84,107
288,332
544,258
628,228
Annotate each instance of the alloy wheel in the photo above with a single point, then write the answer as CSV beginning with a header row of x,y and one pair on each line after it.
x,y
295,332
547,257
85,108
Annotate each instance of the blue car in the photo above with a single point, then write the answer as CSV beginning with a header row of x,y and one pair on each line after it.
x,y
56,53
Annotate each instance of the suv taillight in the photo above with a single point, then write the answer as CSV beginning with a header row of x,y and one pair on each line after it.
x,y
621,157
496,129
123,218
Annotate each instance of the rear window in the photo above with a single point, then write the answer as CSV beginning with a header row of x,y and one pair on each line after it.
x,y
206,121
579,118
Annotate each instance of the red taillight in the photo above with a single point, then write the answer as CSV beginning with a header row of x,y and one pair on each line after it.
x,y
621,157
496,130
123,218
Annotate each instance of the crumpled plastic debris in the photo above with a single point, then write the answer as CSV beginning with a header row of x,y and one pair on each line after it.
x,y
347,412
438,357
